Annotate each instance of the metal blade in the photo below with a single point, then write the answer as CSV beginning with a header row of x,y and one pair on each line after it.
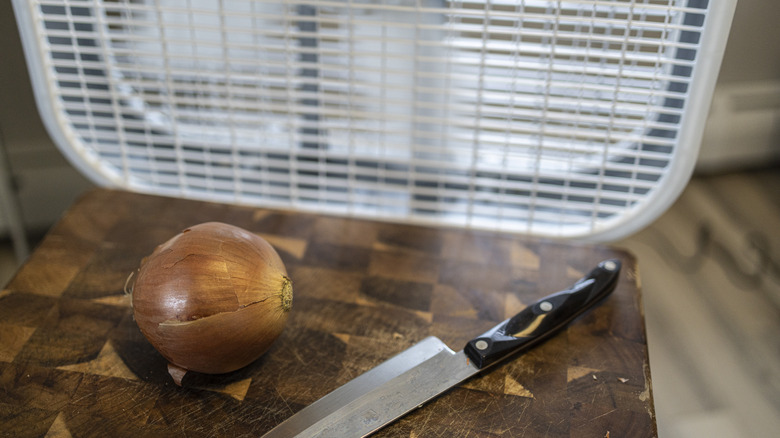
x,y
396,397
380,395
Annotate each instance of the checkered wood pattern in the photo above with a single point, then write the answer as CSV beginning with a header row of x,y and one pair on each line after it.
x,y
72,361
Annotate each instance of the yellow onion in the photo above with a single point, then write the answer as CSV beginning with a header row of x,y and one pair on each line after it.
x,y
212,299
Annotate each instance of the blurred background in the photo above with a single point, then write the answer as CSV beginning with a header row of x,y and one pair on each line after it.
x,y
710,266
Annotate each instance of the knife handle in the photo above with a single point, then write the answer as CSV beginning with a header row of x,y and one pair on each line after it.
x,y
539,321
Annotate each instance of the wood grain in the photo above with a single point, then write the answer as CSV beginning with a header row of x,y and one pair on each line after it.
x,y
73,362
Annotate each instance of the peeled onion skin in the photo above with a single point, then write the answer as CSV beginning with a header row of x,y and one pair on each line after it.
x,y
212,299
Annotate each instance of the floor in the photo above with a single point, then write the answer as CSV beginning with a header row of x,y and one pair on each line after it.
x,y
710,273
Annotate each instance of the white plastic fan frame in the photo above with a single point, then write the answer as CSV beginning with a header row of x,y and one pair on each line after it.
x,y
550,118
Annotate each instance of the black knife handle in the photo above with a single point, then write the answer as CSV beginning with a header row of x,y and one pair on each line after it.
x,y
544,318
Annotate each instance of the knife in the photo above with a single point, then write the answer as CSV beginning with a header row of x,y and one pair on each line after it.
x,y
425,370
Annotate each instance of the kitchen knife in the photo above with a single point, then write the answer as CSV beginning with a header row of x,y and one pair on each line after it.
x,y
425,370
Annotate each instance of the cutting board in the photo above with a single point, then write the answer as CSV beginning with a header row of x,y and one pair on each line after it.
x,y
72,361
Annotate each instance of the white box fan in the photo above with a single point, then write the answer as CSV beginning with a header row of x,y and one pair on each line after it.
x,y
566,119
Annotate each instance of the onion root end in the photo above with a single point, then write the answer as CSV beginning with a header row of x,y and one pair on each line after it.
x,y
177,373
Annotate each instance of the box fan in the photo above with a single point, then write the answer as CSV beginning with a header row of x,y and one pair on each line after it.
x,y
564,119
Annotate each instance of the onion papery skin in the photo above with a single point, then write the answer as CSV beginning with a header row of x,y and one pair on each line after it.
x,y
213,298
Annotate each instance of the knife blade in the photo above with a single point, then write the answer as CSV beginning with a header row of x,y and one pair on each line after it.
x,y
420,373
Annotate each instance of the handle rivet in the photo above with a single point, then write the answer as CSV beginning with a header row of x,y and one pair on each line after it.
x,y
545,306
481,345
609,265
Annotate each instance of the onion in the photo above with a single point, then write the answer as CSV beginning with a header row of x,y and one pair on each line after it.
x,y
212,299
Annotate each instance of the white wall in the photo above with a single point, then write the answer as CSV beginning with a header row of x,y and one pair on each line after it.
x,y
44,181
744,121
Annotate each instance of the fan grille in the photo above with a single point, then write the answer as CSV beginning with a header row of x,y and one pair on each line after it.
x,y
546,117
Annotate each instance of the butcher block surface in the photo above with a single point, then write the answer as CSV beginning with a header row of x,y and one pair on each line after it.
x,y
73,362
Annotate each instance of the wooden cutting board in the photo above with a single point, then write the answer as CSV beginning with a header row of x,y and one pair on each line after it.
x,y
72,361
